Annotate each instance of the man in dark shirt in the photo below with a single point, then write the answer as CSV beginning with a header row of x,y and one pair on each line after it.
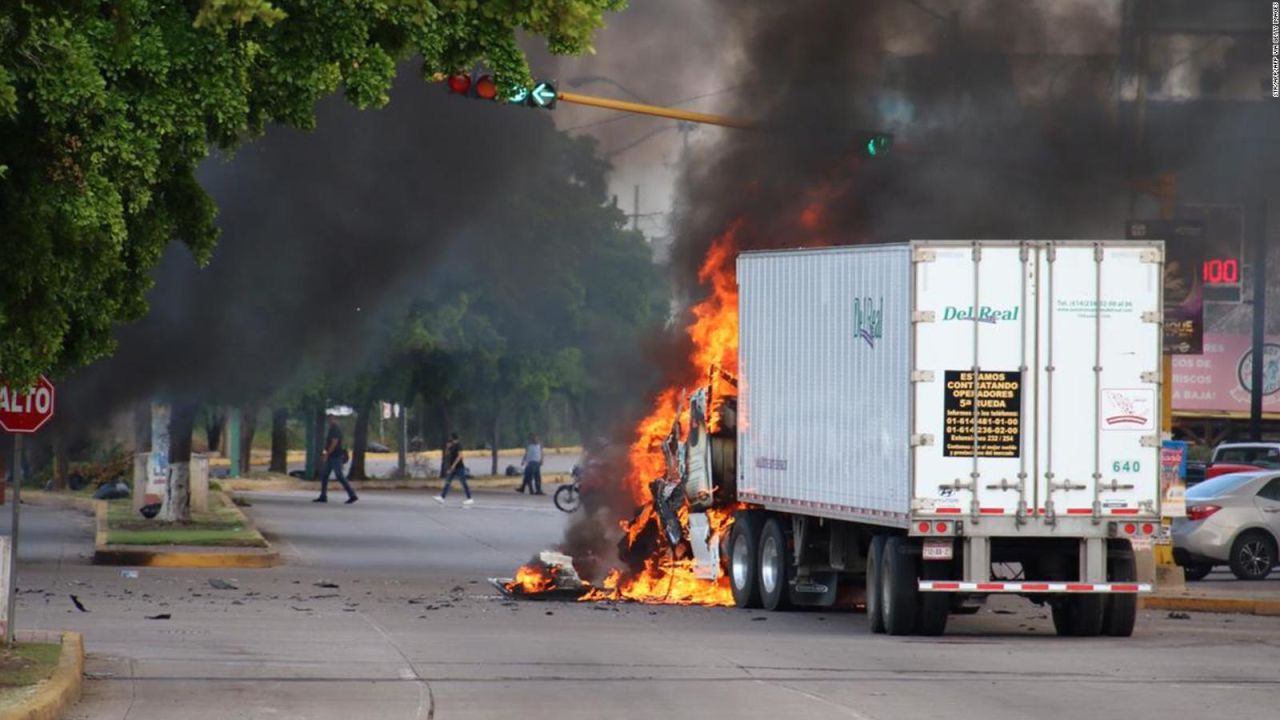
x,y
333,456
455,468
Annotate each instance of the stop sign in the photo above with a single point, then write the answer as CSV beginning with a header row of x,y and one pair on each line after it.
x,y
25,413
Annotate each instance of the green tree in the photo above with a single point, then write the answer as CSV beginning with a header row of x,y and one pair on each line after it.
x,y
106,108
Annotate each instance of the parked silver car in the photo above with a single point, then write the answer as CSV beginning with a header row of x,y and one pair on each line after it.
x,y
1231,520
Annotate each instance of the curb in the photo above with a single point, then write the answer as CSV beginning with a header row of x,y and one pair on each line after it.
x,y
56,695
187,557
1239,606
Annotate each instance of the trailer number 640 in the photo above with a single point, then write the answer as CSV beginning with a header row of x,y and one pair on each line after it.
x,y
1126,466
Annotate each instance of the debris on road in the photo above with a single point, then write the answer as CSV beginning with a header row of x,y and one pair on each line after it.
x,y
328,584
219,584
550,576
1175,615
161,616
79,605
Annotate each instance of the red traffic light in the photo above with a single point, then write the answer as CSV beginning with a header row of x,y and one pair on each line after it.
x,y
459,84
486,88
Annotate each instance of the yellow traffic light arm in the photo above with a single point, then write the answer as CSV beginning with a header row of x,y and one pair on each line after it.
x,y
655,110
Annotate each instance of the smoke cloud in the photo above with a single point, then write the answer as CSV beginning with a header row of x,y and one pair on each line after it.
x,y
1006,118
323,234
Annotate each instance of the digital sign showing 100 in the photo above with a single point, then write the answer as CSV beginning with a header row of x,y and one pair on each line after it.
x,y
1221,271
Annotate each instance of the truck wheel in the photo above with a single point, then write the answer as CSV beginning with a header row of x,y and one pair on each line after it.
x,y
1252,555
1079,615
775,567
900,589
1121,608
875,576
744,577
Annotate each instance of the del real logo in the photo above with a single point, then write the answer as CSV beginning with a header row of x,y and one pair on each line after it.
x,y
984,313
868,319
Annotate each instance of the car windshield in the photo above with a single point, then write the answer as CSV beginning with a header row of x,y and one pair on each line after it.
x,y
1221,485
1260,456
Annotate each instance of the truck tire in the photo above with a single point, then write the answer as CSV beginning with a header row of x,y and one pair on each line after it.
x,y
744,576
1121,612
875,576
1253,554
776,570
900,589
1079,615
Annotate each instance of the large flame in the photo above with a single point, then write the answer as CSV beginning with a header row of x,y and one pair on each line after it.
x,y
668,577
714,335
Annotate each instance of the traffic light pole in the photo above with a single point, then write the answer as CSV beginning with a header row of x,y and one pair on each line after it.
x,y
654,110
1257,380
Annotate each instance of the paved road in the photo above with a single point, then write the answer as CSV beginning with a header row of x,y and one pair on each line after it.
x,y
413,631
381,466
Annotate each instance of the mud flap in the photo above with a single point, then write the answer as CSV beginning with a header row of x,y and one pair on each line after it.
x,y
818,590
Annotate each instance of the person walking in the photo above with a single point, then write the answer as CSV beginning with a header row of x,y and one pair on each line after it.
x,y
532,467
334,456
455,469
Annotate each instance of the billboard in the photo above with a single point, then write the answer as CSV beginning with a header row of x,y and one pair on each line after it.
x,y
1219,380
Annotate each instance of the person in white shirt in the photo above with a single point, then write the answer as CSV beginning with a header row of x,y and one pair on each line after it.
x,y
532,462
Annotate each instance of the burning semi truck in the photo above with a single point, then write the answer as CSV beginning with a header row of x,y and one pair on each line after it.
x,y
922,425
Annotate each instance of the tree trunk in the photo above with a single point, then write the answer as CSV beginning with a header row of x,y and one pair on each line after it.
x,y
214,422
248,426
280,441
443,407
493,440
61,460
360,441
177,494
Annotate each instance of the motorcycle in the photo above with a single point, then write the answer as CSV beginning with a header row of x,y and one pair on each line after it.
x,y
568,498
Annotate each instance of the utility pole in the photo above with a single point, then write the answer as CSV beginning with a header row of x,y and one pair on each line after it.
x,y
402,468
635,209
1258,233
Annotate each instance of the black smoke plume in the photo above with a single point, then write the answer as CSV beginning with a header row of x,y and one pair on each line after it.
x,y
1006,118
322,233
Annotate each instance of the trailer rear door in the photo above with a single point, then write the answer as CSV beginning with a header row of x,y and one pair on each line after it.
x,y
1036,378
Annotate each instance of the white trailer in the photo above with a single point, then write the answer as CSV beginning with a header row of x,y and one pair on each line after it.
x,y
943,420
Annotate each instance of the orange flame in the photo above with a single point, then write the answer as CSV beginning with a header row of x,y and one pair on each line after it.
x,y
714,334
533,579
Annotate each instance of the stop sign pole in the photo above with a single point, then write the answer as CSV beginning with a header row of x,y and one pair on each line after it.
x,y
21,414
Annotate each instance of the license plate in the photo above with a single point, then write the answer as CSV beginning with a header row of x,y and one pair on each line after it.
x,y
937,550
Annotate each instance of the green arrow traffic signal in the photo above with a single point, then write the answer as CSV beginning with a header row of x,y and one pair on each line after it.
x,y
877,145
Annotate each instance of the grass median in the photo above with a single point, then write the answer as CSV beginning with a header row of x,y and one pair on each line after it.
x,y
23,667
221,526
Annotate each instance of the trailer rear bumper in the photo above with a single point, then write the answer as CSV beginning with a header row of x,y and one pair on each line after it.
x,y
1033,587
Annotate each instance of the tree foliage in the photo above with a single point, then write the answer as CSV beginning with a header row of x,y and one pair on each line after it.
x,y
106,108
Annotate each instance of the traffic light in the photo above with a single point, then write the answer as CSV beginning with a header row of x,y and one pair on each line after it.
x,y
874,144
542,95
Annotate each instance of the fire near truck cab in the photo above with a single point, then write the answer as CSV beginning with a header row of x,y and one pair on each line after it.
x,y
939,421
